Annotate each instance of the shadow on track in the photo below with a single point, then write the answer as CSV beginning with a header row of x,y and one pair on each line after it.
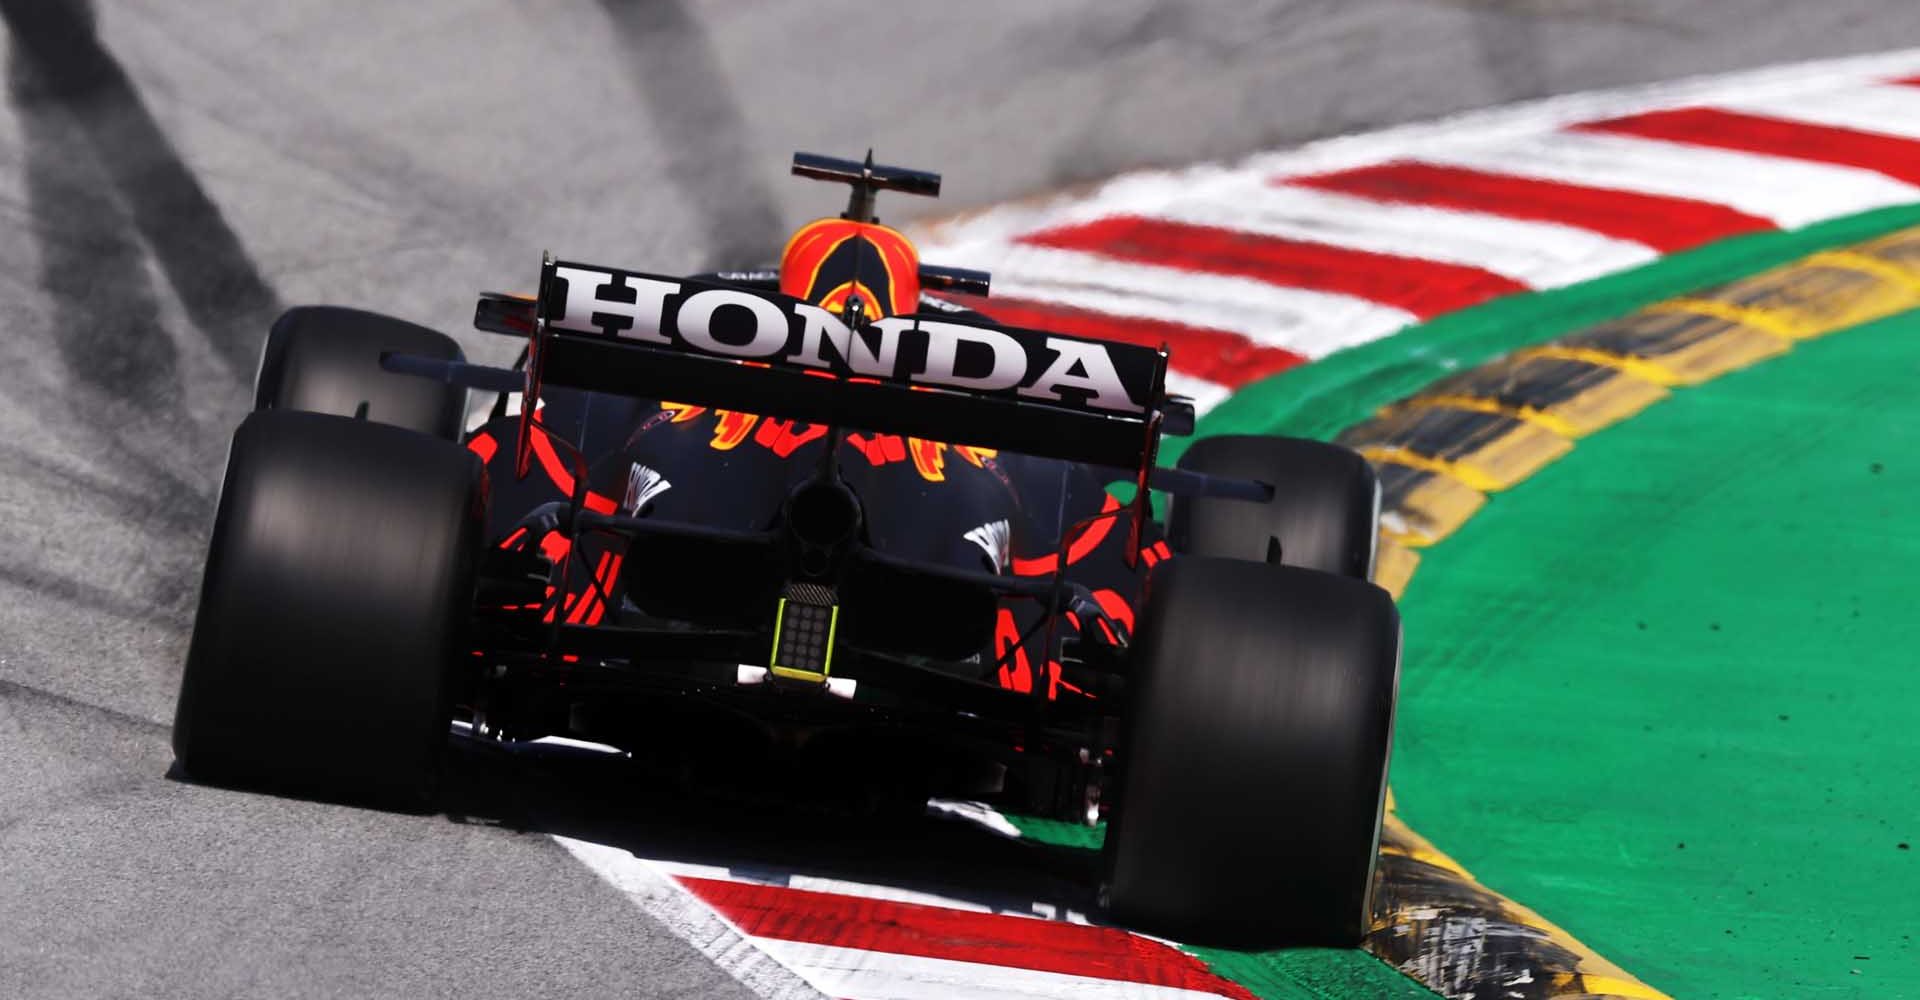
x,y
122,421
702,133
609,801
112,146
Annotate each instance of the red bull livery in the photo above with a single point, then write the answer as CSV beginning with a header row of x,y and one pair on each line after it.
x,y
812,532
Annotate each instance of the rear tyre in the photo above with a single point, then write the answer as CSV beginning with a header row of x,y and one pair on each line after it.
x,y
326,359
338,583
1253,755
1325,510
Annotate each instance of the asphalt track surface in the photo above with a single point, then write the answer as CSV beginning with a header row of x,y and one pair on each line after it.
x,y
173,174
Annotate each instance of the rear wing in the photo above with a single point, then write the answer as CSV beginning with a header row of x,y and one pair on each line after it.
x,y
648,336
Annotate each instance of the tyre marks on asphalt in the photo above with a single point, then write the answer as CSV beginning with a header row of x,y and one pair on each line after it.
x,y
113,209
702,130
59,62
11,691
1268,263
92,264
306,131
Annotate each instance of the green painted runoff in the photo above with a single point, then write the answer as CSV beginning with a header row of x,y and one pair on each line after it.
x,y
1323,398
1666,692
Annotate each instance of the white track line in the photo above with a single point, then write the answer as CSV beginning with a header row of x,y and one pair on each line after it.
x,y
1890,109
1790,192
1537,254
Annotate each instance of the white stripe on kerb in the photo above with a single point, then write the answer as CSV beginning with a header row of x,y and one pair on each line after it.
x,y
1790,192
1205,395
1891,109
867,890
1307,322
818,883
1538,254
658,896
788,970
1145,191
871,975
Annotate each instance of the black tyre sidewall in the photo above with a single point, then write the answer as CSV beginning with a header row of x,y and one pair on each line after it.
x,y
1253,755
1325,508
338,583
326,359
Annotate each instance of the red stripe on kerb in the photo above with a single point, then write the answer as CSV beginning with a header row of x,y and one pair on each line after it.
x,y
1215,355
1909,81
1659,221
957,935
1422,287
1891,155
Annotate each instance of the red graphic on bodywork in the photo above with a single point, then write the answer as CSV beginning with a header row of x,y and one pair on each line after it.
x,y
781,437
1089,539
1016,672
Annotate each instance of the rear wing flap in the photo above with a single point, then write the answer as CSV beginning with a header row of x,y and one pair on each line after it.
x,y
731,347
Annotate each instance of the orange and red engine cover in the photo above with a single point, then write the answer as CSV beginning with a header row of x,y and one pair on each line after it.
x,y
828,260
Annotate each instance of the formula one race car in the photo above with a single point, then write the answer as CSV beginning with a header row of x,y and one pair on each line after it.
x,y
819,525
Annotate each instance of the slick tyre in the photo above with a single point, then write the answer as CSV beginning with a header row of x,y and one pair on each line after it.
x,y
1325,510
1253,755
337,587
326,359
